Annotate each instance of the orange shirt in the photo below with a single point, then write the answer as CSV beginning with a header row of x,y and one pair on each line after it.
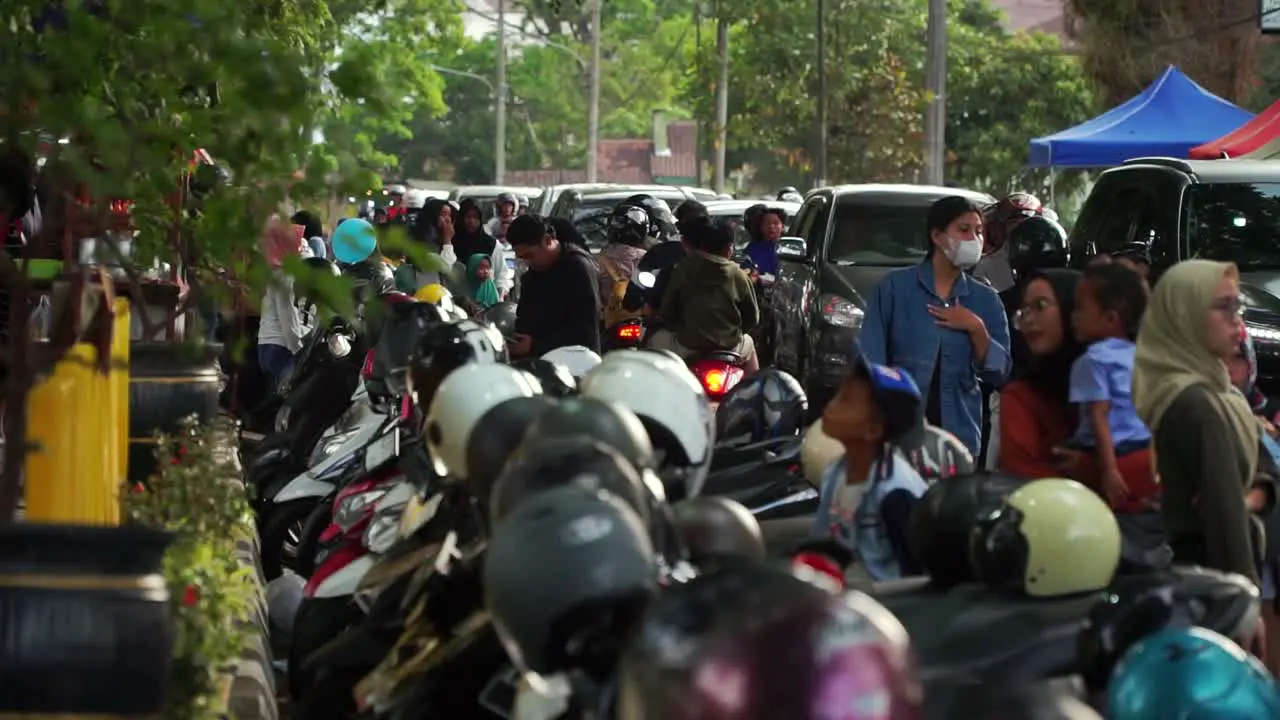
x,y
1030,427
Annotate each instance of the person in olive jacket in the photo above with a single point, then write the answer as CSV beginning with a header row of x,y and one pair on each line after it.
x,y
710,302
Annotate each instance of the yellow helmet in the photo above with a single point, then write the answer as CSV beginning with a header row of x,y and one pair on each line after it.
x,y
818,452
433,293
1049,538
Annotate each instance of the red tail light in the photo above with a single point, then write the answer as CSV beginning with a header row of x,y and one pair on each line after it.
x,y
718,378
366,370
629,332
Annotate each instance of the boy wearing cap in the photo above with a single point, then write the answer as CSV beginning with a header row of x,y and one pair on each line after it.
x,y
866,497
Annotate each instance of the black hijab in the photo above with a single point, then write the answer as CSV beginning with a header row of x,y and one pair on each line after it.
x,y
1051,374
466,244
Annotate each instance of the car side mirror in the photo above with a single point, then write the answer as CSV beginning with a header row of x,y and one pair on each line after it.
x,y
793,248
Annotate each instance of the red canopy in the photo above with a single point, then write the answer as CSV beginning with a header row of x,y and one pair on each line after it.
x,y
1263,128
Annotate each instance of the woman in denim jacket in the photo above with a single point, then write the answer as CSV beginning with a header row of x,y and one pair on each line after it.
x,y
946,329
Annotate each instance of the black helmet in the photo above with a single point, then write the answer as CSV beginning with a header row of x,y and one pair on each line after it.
x,y
555,378
629,225
945,518
690,209
322,267
662,223
443,349
571,460
770,404
400,339
1135,250
1140,605
502,316
788,190
567,575
716,527
601,420
1037,243
937,454
370,278
504,426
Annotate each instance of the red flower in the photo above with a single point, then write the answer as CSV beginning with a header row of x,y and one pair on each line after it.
x,y
138,488
191,596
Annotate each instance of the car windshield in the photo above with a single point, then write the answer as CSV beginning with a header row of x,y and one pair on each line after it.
x,y
594,226
1235,222
869,231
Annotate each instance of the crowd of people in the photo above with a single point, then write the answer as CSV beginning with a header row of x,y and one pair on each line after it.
x,y
1147,397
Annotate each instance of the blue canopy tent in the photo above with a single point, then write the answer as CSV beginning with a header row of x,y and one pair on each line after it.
x,y
1167,119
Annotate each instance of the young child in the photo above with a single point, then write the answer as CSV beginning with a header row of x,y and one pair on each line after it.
x,y
480,278
1110,300
866,498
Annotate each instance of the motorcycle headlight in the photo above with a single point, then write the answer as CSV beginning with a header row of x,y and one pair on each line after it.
x,y
339,345
353,508
382,532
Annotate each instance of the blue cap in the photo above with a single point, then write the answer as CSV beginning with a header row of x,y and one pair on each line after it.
x,y
898,397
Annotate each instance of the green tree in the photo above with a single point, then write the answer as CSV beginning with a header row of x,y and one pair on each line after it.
x,y
113,97
1003,90
643,60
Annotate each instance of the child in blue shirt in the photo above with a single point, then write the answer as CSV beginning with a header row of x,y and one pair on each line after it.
x,y
866,497
1110,300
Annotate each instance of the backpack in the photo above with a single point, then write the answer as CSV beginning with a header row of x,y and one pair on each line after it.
x,y
611,305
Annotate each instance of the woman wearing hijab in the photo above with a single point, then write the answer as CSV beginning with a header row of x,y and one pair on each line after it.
x,y
1035,415
480,278
1206,438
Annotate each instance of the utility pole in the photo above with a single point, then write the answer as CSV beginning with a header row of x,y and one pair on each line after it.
x,y
722,98
935,116
822,94
500,113
697,59
593,101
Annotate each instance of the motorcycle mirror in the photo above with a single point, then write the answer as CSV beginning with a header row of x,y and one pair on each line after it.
x,y
646,280
339,345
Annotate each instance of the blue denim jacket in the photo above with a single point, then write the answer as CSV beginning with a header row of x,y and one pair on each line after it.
x,y
898,330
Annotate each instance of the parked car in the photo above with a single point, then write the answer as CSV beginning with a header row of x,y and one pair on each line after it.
x,y
1215,209
589,209
843,240
485,195
551,193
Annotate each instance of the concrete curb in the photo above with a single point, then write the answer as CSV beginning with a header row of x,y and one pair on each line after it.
x,y
252,691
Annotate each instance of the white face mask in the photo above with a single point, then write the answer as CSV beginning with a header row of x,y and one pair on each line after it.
x,y
964,254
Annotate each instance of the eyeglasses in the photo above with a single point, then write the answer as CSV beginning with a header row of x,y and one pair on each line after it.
x,y
1036,307
1232,307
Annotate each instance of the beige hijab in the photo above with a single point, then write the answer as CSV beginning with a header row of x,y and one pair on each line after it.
x,y
1172,355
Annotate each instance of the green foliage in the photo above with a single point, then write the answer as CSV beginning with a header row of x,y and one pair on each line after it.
x,y
198,496
644,50
1003,90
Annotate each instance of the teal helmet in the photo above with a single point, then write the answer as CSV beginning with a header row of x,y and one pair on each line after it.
x,y
1191,674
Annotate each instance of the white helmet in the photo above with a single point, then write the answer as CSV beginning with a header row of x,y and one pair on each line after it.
x,y
578,360
414,199
464,396
818,452
668,399
485,338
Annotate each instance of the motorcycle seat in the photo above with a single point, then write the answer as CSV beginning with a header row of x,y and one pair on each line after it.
x,y
725,356
972,633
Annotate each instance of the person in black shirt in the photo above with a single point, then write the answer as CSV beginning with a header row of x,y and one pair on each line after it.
x,y
559,297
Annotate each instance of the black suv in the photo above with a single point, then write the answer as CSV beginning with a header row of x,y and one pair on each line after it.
x,y
845,239
1215,209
